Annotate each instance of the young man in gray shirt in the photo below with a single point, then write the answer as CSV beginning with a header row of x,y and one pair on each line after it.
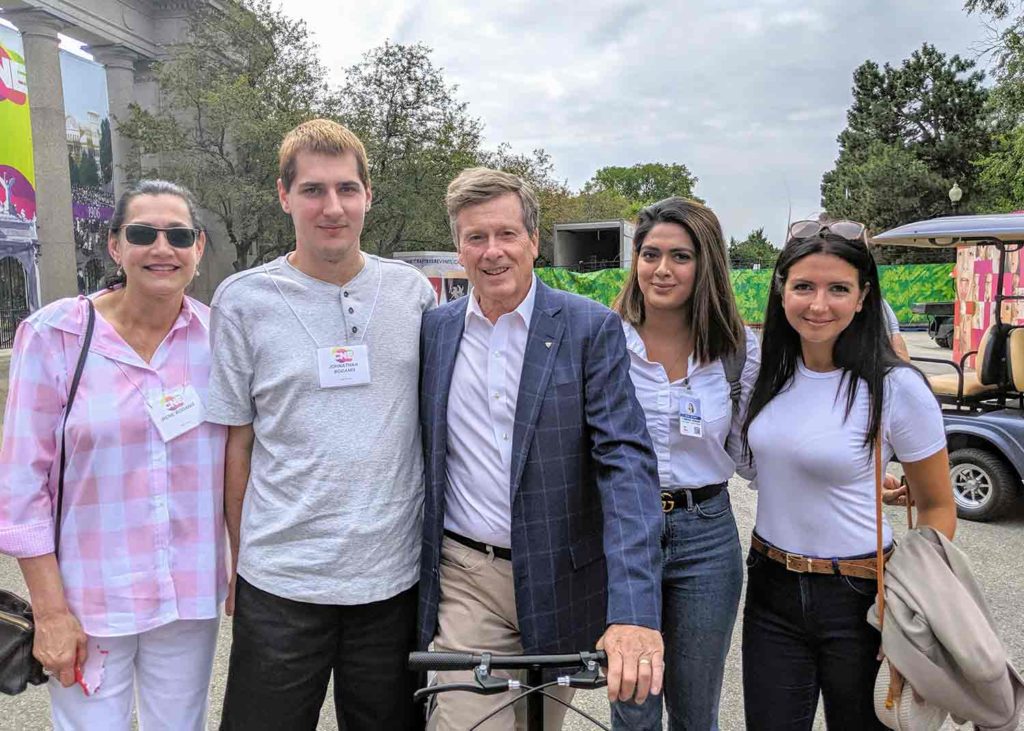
x,y
315,371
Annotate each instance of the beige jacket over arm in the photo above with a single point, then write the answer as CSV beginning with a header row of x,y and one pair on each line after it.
x,y
939,634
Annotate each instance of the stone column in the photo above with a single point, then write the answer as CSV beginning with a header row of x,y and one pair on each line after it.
x,y
120,67
57,267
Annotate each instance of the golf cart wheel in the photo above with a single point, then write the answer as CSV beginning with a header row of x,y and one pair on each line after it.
x,y
944,341
983,486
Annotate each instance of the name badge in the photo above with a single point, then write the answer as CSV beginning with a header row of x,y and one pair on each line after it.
x,y
176,411
690,422
343,365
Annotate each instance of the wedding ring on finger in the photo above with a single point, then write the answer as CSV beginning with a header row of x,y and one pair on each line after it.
x,y
645,661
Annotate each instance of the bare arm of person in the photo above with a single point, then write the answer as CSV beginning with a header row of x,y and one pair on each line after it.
x,y
900,346
60,643
932,493
237,458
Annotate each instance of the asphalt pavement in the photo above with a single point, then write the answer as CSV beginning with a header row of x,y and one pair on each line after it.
x,y
995,549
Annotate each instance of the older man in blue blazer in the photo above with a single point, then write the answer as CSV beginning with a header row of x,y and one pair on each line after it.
x,y
542,517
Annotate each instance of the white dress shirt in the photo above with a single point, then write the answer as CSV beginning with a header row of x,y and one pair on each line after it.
x,y
481,418
686,461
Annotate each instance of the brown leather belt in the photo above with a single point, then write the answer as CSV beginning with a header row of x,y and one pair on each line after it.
x,y
861,568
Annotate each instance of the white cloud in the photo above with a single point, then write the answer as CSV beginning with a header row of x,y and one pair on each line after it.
x,y
749,94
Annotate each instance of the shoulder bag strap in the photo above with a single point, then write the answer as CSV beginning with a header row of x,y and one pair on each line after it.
x,y
733,365
880,565
71,400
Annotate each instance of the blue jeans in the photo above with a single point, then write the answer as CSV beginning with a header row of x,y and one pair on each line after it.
x,y
702,579
804,634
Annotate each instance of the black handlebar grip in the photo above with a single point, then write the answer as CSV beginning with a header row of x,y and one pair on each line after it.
x,y
443,660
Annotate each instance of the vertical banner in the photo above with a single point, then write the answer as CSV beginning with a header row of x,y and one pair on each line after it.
x,y
443,270
90,161
19,283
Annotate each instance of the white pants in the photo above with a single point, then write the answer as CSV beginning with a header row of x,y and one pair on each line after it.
x,y
168,668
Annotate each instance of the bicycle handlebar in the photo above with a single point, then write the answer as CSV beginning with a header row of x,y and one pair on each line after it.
x,y
470,660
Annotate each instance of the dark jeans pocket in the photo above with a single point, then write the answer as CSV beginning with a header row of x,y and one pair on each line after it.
x,y
864,587
716,507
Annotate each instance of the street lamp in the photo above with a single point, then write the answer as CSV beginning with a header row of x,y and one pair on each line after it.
x,y
955,194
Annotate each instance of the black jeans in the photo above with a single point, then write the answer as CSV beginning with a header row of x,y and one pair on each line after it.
x,y
283,652
804,634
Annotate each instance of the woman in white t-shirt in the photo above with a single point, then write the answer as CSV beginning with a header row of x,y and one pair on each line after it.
x,y
685,335
829,383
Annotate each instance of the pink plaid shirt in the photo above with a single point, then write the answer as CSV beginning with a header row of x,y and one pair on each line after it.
x,y
142,542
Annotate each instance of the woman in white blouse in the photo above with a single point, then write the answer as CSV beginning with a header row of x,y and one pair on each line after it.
x,y
829,386
693,365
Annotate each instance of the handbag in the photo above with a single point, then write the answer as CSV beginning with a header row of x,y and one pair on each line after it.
x,y
18,667
900,710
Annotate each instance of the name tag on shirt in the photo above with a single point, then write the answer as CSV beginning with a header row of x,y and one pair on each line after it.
x,y
176,411
341,366
691,424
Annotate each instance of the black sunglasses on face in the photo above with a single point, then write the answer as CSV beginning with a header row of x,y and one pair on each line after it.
x,y
849,230
141,234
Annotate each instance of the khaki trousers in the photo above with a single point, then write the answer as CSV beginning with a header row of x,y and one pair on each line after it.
x,y
478,613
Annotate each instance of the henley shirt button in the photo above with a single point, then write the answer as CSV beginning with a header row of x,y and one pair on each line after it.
x,y
355,329
351,310
345,293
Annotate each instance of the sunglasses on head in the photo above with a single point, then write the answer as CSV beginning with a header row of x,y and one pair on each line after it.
x,y
849,230
141,234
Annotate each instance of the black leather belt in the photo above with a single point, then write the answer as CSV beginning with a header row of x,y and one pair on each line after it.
x,y
670,500
497,551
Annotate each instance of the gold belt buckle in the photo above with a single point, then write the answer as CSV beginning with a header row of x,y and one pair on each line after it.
x,y
668,502
798,564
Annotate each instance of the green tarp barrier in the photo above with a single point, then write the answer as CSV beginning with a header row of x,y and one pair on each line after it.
x,y
902,285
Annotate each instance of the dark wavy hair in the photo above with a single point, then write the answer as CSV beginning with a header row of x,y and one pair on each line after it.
x,y
114,277
863,350
714,317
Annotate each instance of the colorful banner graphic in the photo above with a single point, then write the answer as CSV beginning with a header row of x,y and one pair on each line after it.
x,y
443,270
17,175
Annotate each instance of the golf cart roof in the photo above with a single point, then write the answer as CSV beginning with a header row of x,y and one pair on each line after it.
x,y
953,230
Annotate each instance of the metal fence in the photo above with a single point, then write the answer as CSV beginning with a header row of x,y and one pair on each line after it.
x,y
9,320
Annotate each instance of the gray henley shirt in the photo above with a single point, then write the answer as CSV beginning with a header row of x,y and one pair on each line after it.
x,y
332,511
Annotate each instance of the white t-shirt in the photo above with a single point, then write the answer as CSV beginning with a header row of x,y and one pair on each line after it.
x,y
815,476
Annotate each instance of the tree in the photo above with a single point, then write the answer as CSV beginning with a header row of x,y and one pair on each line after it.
x,y
106,152
755,249
644,183
418,137
911,133
88,171
247,75
73,168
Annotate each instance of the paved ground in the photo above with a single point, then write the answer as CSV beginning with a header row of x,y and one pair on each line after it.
x,y
995,549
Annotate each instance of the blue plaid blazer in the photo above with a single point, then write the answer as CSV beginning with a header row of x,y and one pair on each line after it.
x,y
586,511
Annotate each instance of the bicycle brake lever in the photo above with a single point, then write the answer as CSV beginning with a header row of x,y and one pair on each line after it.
x,y
499,685
590,677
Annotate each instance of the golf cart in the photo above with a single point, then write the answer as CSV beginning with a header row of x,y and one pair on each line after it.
x,y
983,410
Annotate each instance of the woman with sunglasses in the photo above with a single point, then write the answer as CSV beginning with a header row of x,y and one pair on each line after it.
x,y
689,353
126,603
830,385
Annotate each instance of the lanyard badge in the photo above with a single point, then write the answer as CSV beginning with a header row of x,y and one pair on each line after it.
x,y
343,365
176,411
691,424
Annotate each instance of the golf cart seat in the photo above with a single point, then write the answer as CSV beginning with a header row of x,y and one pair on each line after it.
x,y
992,363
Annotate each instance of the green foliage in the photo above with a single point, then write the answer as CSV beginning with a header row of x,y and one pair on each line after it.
x,y
247,76
88,169
755,249
903,286
644,183
911,132
418,137
106,152
73,167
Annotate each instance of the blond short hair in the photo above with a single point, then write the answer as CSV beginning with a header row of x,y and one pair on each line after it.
x,y
323,137
479,185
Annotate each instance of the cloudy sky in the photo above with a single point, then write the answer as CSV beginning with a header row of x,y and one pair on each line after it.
x,y
749,95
